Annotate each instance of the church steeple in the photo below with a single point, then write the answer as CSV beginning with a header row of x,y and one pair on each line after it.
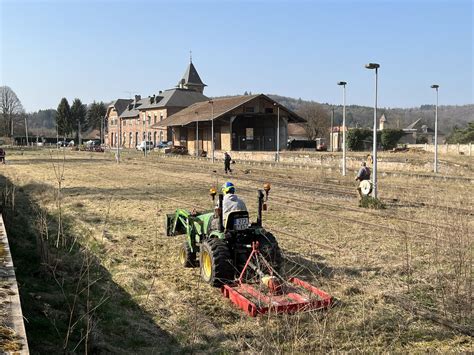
x,y
191,79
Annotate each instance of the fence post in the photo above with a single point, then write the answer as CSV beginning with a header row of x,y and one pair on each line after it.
x,y
470,148
458,148
447,149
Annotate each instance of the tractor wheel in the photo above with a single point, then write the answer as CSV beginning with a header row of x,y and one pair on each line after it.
x,y
187,258
270,250
215,262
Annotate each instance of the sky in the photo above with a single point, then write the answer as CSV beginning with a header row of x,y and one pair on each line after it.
x,y
104,50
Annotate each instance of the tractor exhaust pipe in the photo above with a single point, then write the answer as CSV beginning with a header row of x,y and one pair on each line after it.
x,y
260,207
221,218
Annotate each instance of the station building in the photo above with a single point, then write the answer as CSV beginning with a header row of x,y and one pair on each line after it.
x,y
185,115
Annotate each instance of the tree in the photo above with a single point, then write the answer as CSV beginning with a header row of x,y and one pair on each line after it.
x,y
78,118
63,118
317,120
96,115
462,136
11,109
390,138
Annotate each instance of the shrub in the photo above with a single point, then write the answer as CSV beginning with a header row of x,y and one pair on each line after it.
x,y
390,138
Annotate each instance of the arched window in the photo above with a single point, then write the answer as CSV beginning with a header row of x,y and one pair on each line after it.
x,y
154,138
130,140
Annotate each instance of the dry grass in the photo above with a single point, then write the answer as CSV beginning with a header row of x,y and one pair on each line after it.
x,y
384,279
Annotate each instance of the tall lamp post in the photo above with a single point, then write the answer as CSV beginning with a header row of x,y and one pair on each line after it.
x,y
435,168
278,132
343,84
212,128
119,139
374,153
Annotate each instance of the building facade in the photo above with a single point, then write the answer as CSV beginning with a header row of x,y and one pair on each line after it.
x,y
131,121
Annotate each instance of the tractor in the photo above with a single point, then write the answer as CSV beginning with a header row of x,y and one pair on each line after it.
x,y
224,246
243,259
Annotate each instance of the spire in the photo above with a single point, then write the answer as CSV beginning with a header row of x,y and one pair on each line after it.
x,y
191,79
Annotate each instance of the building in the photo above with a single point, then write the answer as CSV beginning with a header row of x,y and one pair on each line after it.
x,y
241,123
134,120
419,132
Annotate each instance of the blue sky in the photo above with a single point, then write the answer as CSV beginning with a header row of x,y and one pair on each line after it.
x,y
101,50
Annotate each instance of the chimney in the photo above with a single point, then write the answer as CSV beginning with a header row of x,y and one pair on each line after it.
x,y
138,98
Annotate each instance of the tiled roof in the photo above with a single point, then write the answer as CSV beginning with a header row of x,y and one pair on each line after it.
x,y
202,111
191,76
174,98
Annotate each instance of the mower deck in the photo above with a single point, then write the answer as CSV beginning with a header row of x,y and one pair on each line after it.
x,y
296,296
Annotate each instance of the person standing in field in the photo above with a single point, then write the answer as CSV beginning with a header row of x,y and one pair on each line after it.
x,y
227,161
362,175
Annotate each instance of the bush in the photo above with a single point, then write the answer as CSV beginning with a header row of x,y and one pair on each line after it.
x,y
355,138
390,138
370,202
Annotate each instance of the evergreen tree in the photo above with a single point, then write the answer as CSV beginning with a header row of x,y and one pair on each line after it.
x,y
63,118
78,118
96,116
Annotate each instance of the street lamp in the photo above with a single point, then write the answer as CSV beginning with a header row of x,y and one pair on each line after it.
x,y
374,153
435,169
212,128
343,84
278,132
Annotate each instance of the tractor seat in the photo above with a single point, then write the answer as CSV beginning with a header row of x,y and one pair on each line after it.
x,y
237,220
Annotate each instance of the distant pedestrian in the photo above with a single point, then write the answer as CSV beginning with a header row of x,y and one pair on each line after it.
x,y
227,161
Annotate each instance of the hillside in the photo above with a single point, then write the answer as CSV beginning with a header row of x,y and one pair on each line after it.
x,y
450,116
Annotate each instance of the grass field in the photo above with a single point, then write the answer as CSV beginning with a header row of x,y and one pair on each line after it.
x,y
95,270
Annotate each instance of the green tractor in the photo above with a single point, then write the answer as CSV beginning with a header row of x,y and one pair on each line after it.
x,y
221,248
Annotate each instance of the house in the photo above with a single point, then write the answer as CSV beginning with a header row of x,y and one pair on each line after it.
x,y
419,132
240,123
135,119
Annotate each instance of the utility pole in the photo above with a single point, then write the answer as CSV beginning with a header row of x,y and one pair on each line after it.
x,y
212,128
197,134
343,84
118,141
26,129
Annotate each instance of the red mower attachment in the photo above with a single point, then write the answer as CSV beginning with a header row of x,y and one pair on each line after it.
x,y
267,292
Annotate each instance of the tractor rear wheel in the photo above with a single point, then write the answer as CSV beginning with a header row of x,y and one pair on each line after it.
x,y
270,250
187,258
215,262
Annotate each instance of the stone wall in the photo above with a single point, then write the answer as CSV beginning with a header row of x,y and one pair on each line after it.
x,y
459,149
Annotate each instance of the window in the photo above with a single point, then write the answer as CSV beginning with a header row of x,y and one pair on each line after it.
x,y
161,136
149,119
249,109
161,117
154,121
249,133
268,109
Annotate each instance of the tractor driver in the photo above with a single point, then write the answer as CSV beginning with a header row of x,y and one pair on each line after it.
x,y
231,202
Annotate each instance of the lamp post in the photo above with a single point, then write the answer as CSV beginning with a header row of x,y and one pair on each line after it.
x,y
374,152
331,142
144,132
212,128
343,84
435,167
278,132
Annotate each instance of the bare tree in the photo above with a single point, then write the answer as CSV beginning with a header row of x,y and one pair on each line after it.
x,y
317,120
10,109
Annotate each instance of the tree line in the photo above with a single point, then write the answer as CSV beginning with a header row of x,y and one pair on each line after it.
x,y
66,121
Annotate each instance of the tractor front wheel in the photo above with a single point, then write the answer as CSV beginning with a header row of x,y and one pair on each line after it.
x,y
215,262
187,258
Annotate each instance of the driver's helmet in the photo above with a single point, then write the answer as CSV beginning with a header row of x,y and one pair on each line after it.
x,y
228,188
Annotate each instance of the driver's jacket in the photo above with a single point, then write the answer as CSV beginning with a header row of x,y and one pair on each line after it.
x,y
232,203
